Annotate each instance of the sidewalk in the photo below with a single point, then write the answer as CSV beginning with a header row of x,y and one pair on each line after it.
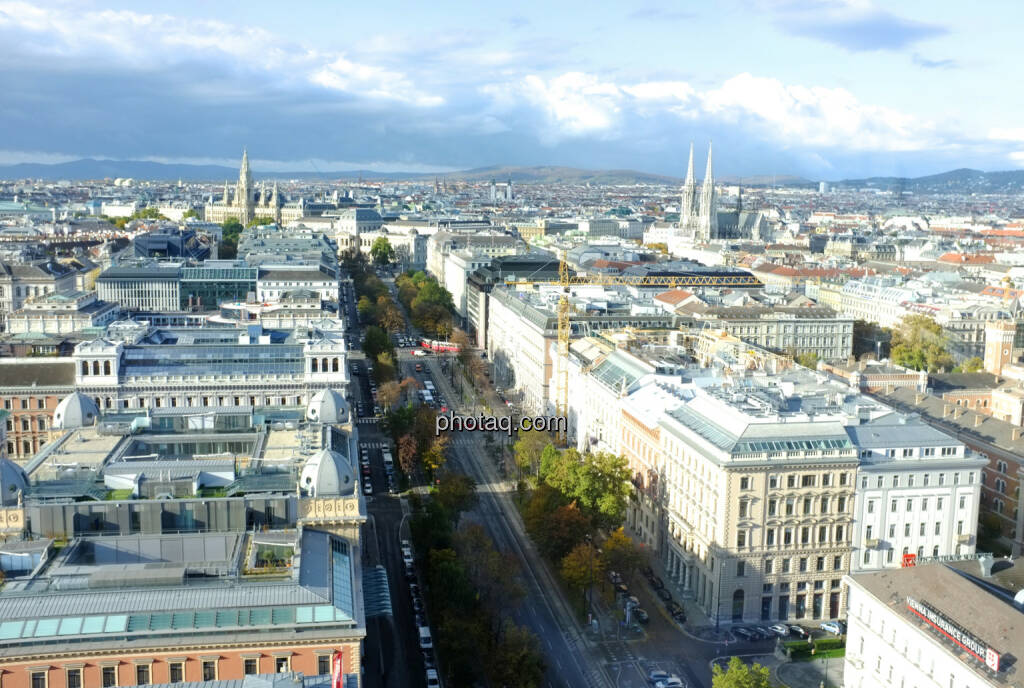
x,y
811,674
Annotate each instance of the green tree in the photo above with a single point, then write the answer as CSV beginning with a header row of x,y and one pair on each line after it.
x,y
148,214
456,493
621,553
919,343
384,370
231,230
375,342
260,220
381,251
740,675
564,528
190,213
435,457
582,567
528,449
366,310
517,660
388,315
807,359
972,365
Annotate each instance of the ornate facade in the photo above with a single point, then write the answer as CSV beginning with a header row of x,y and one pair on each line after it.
x,y
248,201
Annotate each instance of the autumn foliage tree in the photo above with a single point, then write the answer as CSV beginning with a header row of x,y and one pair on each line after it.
x,y
621,553
919,343
582,567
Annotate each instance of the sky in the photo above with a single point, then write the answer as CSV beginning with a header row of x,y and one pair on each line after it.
x,y
824,89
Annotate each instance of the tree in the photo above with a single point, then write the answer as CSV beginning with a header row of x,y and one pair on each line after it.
x,y
542,504
435,456
381,251
582,567
190,213
375,342
388,394
366,310
260,220
528,449
456,493
407,453
740,675
564,528
972,365
231,229
621,553
517,660
384,370
388,315
658,246
919,343
148,214
807,359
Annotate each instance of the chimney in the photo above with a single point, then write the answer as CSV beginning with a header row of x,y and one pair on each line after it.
x,y
978,420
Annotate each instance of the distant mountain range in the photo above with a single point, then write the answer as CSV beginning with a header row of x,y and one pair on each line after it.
x,y
954,181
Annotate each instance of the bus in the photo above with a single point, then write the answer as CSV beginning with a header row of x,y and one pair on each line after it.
x,y
429,386
440,346
389,463
426,397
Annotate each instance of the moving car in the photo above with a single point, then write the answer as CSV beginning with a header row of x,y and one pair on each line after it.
x,y
781,630
432,680
671,682
367,488
658,675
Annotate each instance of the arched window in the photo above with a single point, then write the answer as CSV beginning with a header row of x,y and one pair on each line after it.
x,y
737,605
106,367
95,367
323,365
110,403
334,365
85,367
315,366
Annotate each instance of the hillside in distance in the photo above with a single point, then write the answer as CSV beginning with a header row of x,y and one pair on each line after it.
x,y
962,180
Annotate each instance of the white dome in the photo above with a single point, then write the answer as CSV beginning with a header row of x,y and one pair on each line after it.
x,y
75,411
328,407
328,474
12,481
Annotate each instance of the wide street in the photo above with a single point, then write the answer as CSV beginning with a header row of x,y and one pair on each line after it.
x,y
575,656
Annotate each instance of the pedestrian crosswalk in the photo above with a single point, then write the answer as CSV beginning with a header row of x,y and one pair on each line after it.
x,y
374,445
366,421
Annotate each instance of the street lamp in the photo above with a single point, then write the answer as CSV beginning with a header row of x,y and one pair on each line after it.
x,y
588,594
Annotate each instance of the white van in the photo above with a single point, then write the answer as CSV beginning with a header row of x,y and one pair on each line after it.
x,y
426,642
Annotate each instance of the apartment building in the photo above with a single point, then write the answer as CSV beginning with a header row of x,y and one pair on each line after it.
x,y
795,330
918,493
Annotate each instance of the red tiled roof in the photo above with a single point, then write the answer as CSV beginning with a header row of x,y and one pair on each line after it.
x,y
673,296
965,259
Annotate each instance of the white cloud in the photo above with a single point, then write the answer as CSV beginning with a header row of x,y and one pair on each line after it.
x,y
577,104
1007,134
160,40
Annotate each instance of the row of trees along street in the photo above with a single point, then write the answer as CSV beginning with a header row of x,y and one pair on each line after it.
x,y
575,510
917,342
472,590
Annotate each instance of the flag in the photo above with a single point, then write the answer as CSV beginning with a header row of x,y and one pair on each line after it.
x,y
337,677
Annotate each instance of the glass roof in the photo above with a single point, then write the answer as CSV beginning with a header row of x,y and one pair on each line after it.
x,y
123,624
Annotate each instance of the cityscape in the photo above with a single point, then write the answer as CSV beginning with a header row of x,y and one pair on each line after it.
x,y
432,361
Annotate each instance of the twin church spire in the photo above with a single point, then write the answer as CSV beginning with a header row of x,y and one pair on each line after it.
x,y
698,212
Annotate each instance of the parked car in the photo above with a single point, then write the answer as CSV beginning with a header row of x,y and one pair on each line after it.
x,y
743,633
672,608
781,630
679,616
656,583
432,680
833,627
640,615
664,594
648,572
614,577
632,600
367,488
671,682
621,589
799,632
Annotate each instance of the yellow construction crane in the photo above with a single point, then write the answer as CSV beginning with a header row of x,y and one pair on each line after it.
x,y
565,281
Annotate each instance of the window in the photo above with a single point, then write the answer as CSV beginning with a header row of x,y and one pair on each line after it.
x,y
906,530
963,499
942,478
744,504
949,451
803,564
773,505
38,679
924,504
826,479
787,536
819,565
910,481
741,569
837,563
864,482
773,481
807,481
922,529
741,538
871,506
824,505
867,557
938,504
892,506
74,678
744,483
895,481
323,665
251,665
926,479
176,672
142,674
281,664
841,505
209,670
842,478
790,481
908,452
805,535
888,555
808,503
928,451
822,533
109,676
892,530
769,536
910,505
970,478
867,533
938,527
879,482
768,565
959,527
790,506
785,565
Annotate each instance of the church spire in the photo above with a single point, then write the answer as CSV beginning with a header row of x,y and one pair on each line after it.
x,y
687,205
708,205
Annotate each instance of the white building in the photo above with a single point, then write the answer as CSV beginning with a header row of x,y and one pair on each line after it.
x,y
458,266
275,281
933,626
63,313
918,491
